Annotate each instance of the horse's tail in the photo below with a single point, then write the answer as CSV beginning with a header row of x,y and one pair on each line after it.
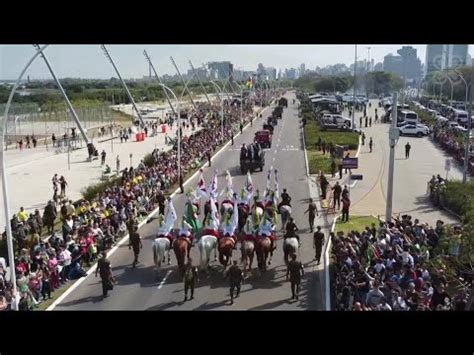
x,y
155,254
202,251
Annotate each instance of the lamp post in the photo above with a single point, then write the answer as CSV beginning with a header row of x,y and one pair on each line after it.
x,y
468,133
241,101
465,84
354,94
6,200
222,108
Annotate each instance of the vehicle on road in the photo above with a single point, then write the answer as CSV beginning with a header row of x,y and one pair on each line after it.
x,y
414,130
283,102
252,163
277,112
338,122
264,138
268,127
405,123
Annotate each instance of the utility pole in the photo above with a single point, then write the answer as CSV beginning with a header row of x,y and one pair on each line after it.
x,y
467,144
106,52
354,95
159,80
182,80
394,133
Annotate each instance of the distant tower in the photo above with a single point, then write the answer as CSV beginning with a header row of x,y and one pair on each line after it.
x,y
149,70
28,79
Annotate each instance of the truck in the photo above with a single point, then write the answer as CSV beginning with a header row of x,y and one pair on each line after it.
x,y
253,160
277,112
264,138
283,102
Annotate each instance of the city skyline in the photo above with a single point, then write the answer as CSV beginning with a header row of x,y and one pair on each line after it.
x,y
87,61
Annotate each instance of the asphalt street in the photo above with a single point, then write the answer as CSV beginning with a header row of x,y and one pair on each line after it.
x,y
140,289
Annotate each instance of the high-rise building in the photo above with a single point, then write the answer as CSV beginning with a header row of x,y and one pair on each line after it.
x,y
221,70
302,69
290,73
271,73
378,66
411,65
393,64
444,56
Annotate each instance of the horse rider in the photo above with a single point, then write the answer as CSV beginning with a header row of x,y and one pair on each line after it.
x,y
266,230
291,228
185,232
249,230
164,230
210,225
230,224
285,200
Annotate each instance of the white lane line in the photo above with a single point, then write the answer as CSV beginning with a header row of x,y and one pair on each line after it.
x,y
273,158
125,238
164,279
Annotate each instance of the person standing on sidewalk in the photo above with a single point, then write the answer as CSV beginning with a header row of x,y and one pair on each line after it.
x,y
236,277
296,272
313,212
345,208
333,167
190,277
103,155
337,195
371,143
324,186
241,127
407,150
117,164
135,242
360,121
340,170
370,121
318,238
363,138
181,183
366,121
63,183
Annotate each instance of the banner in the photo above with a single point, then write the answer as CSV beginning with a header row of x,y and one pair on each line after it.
x,y
213,185
201,186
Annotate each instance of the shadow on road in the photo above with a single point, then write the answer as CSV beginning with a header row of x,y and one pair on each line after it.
x,y
164,306
91,299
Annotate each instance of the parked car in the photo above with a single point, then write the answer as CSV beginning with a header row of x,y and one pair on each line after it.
x,y
414,130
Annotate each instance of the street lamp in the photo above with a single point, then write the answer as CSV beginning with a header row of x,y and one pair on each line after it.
x,y
6,200
222,107
241,101
465,84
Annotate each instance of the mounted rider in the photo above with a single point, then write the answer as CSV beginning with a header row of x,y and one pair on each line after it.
x,y
265,229
185,232
291,228
165,223
211,221
191,211
285,200
229,224
249,230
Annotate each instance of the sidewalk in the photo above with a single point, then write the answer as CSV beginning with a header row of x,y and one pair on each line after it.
x,y
30,172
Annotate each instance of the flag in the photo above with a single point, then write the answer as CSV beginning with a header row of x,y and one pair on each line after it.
x,y
213,185
214,213
201,186
171,215
277,186
248,185
269,176
229,191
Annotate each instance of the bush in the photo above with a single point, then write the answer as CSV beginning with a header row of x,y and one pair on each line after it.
x,y
92,191
313,132
457,197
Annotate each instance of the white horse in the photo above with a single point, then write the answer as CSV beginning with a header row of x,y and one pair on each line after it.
x,y
161,246
206,244
285,212
290,246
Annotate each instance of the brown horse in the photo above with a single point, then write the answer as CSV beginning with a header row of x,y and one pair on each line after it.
x,y
181,249
226,244
248,251
243,214
263,249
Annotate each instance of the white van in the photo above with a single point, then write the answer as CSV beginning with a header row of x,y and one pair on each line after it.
x,y
408,116
459,116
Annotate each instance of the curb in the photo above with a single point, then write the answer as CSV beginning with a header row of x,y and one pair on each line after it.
x,y
77,283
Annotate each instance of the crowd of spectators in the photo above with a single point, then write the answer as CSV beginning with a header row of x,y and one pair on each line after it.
x,y
388,268
91,227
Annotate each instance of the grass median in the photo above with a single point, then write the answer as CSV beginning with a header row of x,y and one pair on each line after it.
x,y
316,160
355,223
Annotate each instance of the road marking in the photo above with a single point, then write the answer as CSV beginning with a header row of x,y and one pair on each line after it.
x,y
125,238
164,279
273,158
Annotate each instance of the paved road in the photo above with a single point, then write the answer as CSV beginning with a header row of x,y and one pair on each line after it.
x,y
137,289
410,178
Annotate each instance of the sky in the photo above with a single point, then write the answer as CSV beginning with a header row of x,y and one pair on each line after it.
x,y
88,61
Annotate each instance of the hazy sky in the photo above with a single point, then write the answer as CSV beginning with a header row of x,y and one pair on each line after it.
x,y
88,61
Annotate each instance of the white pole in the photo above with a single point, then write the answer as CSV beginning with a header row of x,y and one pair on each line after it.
x,y
6,199
354,95
392,136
